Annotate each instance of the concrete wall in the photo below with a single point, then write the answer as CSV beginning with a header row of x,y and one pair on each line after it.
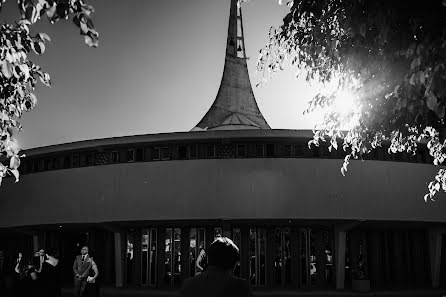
x,y
225,188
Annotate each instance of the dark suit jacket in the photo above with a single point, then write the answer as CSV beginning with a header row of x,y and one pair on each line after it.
x,y
215,282
79,268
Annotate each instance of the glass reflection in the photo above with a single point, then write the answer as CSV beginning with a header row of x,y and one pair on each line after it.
x,y
197,253
148,256
257,238
236,238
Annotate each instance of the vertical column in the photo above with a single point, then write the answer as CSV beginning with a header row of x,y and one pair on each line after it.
x,y
320,259
209,237
340,247
294,247
244,255
399,266
269,257
365,255
227,230
137,257
375,260
35,243
185,243
107,275
435,241
161,269
354,251
118,260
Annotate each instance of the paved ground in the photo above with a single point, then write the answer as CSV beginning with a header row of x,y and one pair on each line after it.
x,y
139,292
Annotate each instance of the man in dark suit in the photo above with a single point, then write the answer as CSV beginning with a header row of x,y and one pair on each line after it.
x,y
81,268
218,279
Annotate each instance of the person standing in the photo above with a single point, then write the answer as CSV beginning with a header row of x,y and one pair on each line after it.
x,y
201,259
92,287
81,269
50,275
218,279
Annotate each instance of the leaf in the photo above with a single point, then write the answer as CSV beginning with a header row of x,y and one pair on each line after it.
x,y
431,101
25,70
42,47
362,29
36,47
16,174
33,98
44,37
14,162
51,13
91,40
421,77
412,79
6,69
441,111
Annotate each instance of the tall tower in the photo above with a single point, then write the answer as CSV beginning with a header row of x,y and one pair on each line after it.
x,y
235,107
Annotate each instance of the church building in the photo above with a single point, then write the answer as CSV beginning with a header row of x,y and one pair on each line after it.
x,y
148,205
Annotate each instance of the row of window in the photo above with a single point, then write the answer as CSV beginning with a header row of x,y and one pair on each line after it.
x,y
202,151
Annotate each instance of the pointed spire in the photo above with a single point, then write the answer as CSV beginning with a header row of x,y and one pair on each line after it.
x,y
235,107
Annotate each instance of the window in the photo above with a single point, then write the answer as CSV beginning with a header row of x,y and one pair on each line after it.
x,y
66,162
241,150
324,152
287,150
260,150
29,165
75,160
156,153
421,156
149,257
130,155
298,150
165,153
56,163
182,152
46,164
87,159
139,154
211,151
270,150
115,156
193,151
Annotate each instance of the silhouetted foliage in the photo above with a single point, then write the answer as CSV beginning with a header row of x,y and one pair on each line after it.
x,y
18,74
390,55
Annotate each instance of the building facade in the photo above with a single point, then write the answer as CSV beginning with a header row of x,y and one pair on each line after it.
x,y
147,205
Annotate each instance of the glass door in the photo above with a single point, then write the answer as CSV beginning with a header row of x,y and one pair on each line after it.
x,y
282,257
172,257
149,257
316,257
257,269
197,253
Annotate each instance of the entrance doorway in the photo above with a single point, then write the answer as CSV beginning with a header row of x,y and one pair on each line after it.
x,y
316,258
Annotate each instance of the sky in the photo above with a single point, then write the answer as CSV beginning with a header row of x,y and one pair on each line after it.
x,y
157,70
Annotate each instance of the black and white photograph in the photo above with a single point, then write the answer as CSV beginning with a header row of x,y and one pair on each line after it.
x,y
222,148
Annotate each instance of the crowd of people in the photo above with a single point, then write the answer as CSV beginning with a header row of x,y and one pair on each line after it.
x,y
40,275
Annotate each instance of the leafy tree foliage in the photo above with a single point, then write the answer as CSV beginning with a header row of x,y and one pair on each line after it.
x,y
18,74
389,54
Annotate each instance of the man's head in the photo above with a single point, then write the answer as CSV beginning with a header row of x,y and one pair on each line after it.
x,y
223,253
41,252
84,250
